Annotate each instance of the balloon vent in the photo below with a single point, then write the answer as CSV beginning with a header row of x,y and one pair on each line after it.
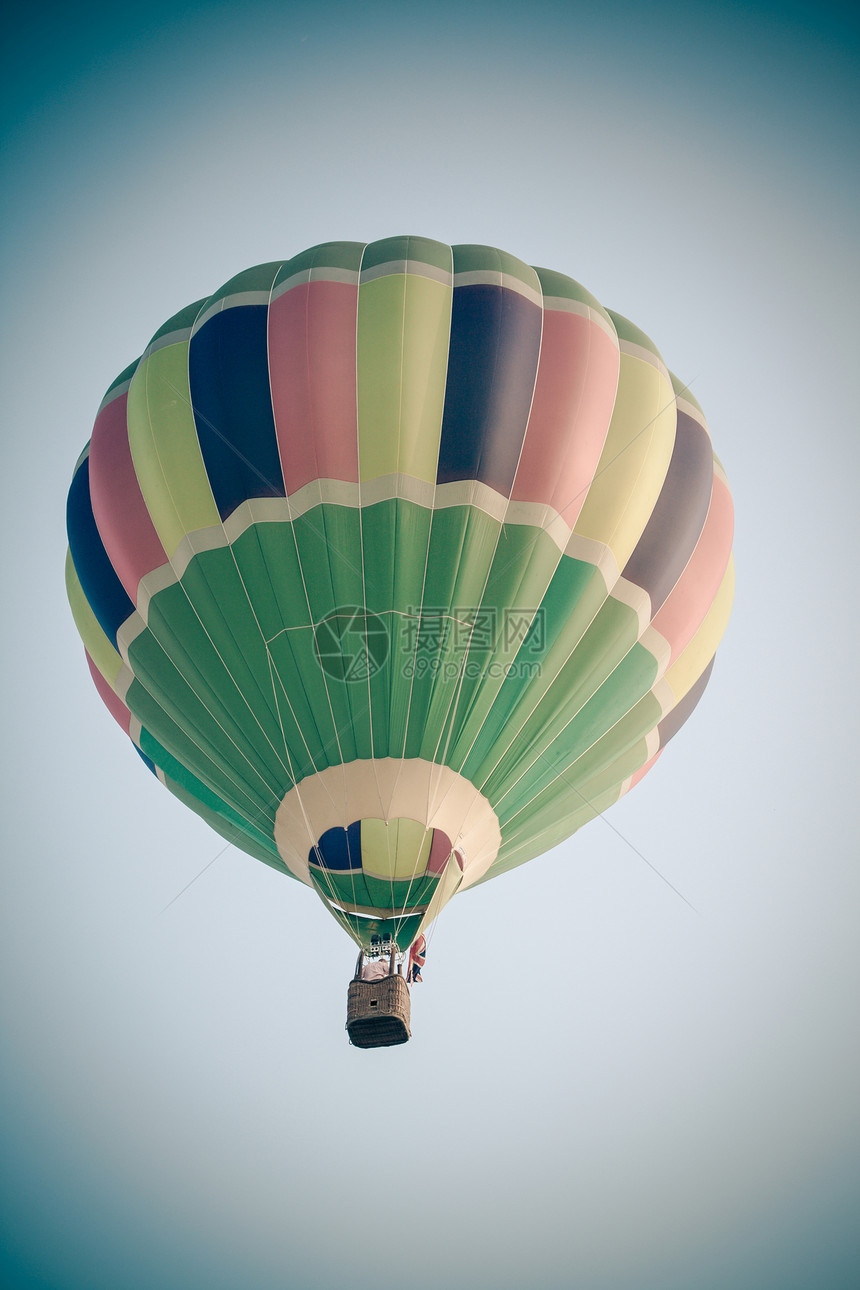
x,y
378,1012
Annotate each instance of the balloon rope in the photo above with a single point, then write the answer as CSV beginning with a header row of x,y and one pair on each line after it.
x,y
178,582
363,567
511,733
289,768
414,874
489,568
276,795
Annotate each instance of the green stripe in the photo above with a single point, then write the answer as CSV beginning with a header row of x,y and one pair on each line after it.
x,y
600,659
125,375
421,250
356,888
632,334
557,284
469,258
259,277
194,794
361,929
682,391
572,600
183,321
574,736
237,694
507,631
328,255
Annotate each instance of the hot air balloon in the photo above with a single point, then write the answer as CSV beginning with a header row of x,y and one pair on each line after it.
x,y
398,563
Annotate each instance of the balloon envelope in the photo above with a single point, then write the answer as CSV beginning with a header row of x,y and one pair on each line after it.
x,y
398,563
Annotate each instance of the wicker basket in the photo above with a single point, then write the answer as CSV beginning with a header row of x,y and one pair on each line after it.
x,y
377,1012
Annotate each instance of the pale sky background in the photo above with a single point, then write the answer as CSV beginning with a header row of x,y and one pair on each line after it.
x,y
605,1090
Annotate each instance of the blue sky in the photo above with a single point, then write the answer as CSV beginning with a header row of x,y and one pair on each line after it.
x,y
181,1106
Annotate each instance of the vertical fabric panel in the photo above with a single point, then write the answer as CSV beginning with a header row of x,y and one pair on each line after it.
x,y
573,399
98,646
687,669
312,321
404,320
676,523
312,347
228,367
637,451
126,529
492,366
672,722
691,597
164,446
108,696
107,598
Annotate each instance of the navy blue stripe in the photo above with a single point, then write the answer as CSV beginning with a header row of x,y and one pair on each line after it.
x,y
492,365
228,369
338,848
143,757
106,595
672,722
671,534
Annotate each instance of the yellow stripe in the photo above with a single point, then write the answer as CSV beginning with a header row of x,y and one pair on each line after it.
x,y
398,849
634,460
97,645
689,666
404,324
165,449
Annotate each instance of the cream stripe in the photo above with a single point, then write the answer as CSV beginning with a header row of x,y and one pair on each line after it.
x,y
652,745
128,633
114,393
564,305
628,593
320,492
339,492
409,487
122,685
230,302
349,907
591,551
656,644
646,355
415,267
389,788
690,410
471,492
665,696
179,337
719,473
320,273
495,278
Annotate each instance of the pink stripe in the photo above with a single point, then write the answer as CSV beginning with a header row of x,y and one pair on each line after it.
x,y
440,850
574,396
692,596
120,512
312,368
643,770
112,702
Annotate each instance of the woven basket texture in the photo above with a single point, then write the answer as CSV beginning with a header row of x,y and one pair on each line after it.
x,y
378,1012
